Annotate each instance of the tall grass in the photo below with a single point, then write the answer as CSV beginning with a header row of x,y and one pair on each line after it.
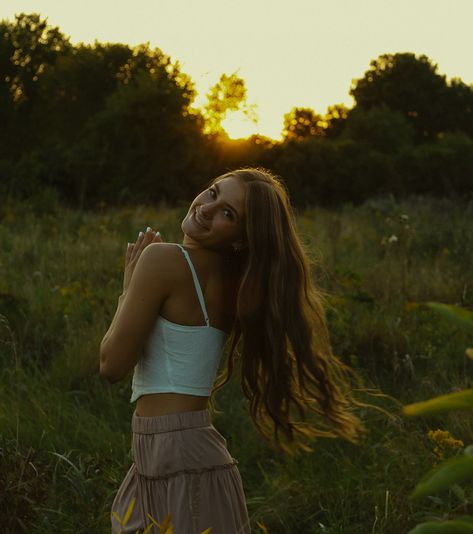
x,y
65,433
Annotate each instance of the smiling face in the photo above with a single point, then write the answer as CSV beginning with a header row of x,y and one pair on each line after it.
x,y
216,217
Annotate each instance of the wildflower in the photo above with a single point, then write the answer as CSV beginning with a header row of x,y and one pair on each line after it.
x,y
392,239
444,443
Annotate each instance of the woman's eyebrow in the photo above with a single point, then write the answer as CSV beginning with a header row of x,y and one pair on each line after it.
x,y
217,187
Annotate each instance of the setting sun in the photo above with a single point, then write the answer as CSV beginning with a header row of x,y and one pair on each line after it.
x,y
238,126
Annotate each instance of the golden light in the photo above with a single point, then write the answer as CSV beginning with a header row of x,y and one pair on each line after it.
x,y
239,126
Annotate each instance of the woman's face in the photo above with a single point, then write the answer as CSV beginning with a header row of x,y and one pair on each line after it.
x,y
216,217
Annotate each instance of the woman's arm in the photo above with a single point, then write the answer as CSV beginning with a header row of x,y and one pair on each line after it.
x,y
150,284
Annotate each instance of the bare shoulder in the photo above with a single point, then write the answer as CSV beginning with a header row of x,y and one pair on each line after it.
x,y
161,250
160,258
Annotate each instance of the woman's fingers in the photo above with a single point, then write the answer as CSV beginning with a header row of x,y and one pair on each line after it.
x,y
129,252
148,237
137,248
143,240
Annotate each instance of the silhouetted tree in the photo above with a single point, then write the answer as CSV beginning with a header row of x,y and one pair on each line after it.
x,y
144,144
335,119
458,107
29,46
75,88
114,123
303,122
406,83
441,167
383,129
227,95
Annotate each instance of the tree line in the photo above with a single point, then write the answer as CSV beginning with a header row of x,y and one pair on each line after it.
x,y
110,123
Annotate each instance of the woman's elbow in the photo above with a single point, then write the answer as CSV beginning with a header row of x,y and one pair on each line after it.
x,y
109,372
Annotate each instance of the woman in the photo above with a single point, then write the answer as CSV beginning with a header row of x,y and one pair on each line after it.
x,y
243,270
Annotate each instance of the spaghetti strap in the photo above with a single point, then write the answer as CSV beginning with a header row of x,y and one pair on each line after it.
x,y
200,295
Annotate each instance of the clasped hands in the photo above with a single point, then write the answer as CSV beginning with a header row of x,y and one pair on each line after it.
x,y
134,251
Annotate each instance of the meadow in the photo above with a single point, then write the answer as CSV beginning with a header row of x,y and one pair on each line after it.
x,y
65,432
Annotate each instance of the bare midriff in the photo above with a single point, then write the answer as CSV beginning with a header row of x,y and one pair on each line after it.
x,y
169,403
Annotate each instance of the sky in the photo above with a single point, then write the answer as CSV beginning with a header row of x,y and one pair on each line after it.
x,y
290,53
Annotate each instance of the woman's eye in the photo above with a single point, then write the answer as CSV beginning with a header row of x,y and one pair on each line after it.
x,y
228,213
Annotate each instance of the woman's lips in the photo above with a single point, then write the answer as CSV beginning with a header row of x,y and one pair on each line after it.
x,y
194,215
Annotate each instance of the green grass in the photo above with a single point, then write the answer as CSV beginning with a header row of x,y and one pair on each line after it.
x,y
65,433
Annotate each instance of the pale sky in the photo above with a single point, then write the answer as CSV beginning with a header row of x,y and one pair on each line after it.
x,y
290,52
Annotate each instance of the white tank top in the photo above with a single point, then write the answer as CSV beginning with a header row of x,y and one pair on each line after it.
x,y
179,358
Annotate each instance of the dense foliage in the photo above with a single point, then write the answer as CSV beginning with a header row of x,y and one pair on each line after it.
x,y
109,123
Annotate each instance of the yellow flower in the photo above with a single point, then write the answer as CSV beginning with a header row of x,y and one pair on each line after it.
x,y
444,443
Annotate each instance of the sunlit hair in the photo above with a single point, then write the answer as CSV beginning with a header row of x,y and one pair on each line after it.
x,y
284,351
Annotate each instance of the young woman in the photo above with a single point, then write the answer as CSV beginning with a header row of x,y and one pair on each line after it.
x,y
241,276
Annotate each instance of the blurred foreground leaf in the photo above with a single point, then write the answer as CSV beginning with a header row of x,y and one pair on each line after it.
x,y
460,316
458,526
461,400
452,471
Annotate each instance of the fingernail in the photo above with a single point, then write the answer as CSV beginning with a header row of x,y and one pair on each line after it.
x,y
141,234
148,229
158,233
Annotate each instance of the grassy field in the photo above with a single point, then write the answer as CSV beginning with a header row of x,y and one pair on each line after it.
x,y
65,433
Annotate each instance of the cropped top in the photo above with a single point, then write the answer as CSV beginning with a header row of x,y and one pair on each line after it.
x,y
179,358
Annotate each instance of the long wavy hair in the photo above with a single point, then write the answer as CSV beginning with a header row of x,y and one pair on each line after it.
x,y
279,339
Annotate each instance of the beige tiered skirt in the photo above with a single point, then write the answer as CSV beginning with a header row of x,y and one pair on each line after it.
x,y
182,469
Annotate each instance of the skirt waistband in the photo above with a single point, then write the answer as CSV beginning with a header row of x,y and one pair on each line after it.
x,y
170,422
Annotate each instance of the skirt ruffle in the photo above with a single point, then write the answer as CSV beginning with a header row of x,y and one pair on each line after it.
x,y
182,469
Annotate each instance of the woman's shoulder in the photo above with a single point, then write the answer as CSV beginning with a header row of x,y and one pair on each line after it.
x,y
159,259
161,251
171,263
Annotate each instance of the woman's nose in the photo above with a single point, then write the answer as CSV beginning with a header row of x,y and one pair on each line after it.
x,y
205,211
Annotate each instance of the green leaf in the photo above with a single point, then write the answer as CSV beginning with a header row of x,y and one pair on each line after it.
x,y
458,526
461,316
452,471
460,400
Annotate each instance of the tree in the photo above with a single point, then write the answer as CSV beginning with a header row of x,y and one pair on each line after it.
x,y
227,95
75,88
300,123
34,45
335,120
144,145
7,107
441,167
458,106
28,48
381,128
406,83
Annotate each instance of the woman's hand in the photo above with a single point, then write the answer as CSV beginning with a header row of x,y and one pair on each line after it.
x,y
134,251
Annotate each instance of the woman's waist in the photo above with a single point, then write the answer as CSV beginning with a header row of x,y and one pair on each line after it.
x,y
155,404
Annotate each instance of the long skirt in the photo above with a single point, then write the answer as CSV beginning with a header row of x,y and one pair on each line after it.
x,y
182,475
